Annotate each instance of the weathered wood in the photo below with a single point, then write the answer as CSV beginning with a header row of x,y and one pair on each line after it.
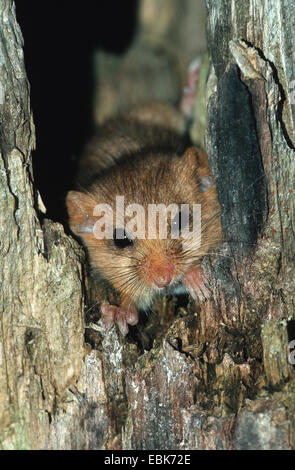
x,y
211,376
41,301
238,384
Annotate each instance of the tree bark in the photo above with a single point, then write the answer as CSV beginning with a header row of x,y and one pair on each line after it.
x,y
215,378
223,379
41,301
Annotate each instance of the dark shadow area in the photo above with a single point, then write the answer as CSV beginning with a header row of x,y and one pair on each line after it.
x,y
59,40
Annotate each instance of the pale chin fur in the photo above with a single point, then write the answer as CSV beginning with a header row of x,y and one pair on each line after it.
x,y
146,299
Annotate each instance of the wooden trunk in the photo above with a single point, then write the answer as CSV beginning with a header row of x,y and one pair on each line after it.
x,y
219,376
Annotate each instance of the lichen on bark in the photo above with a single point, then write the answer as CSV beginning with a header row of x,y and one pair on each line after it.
x,y
215,375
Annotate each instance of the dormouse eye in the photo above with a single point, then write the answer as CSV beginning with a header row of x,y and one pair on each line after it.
x,y
121,240
180,221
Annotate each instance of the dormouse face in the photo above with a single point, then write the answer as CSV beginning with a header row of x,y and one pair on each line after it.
x,y
138,222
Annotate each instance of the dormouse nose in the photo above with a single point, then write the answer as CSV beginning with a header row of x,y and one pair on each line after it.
x,y
163,280
161,273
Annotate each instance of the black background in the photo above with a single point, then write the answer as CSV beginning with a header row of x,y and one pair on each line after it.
x,y
59,40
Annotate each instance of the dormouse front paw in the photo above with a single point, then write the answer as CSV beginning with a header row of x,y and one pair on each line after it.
x,y
197,283
122,315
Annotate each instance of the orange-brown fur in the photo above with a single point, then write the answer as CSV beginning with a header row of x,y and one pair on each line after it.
x,y
147,164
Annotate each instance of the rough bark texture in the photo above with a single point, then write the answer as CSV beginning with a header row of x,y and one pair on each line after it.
x,y
215,378
41,301
222,379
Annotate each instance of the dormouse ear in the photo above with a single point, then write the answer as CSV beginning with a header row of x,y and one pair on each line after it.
x,y
190,158
196,159
80,210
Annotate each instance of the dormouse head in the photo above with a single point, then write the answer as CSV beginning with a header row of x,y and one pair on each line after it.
x,y
146,220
